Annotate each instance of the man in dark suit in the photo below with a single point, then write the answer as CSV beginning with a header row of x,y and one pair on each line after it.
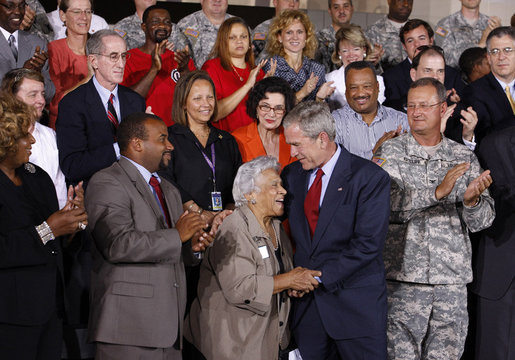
x,y
488,95
140,238
495,267
338,207
397,80
88,118
20,48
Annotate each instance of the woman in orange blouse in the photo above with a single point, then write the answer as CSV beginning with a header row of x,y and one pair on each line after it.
x,y
268,102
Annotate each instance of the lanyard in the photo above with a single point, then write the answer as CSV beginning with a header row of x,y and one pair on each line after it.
x,y
211,163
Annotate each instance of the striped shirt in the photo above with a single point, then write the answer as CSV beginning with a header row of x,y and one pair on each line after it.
x,y
359,138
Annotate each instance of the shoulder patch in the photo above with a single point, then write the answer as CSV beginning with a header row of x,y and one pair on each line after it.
x,y
441,31
259,36
121,32
191,32
378,161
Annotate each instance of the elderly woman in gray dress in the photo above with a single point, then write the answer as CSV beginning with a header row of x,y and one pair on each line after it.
x,y
242,307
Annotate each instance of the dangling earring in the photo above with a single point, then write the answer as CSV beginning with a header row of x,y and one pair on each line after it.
x,y
340,57
253,202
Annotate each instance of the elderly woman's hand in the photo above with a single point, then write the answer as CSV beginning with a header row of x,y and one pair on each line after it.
x,y
299,279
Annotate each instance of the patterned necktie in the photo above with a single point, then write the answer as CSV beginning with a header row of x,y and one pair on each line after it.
x,y
12,45
157,188
111,112
312,202
510,99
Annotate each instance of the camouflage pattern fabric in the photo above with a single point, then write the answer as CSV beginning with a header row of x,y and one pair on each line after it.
x,y
384,33
41,26
259,35
326,39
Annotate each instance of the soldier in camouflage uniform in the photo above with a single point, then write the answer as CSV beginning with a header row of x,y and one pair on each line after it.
x,y
462,30
341,13
438,194
36,22
199,30
261,31
385,32
130,27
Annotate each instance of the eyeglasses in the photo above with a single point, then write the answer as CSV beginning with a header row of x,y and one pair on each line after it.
x,y
114,57
506,51
422,107
12,6
278,110
77,12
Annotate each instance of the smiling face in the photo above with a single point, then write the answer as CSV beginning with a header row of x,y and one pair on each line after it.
x,y
32,92
269,119
109,73
156,149
158,25
21,154
77,21
238,41
10,19
341,12
415,38
308,151
270,197
200,103
425,122
293,37
361,90
350,53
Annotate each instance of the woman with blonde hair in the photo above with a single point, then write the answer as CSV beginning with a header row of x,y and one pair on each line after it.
x,y
292,44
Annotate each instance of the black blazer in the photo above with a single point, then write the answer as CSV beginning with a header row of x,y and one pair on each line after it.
x,y
84,133
397,81
29,270
489,100
495,267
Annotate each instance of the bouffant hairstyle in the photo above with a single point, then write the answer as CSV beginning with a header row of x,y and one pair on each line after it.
x,y
281,23
353,34
15,120
271,85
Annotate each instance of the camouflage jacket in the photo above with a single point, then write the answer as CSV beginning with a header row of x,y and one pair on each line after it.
x,y
326,39
384,33
455,35
41,26
428,239
259,35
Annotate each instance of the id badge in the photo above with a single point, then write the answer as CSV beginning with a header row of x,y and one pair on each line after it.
x,y
216,200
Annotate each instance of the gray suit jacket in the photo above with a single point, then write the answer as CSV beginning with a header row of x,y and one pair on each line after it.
x,y
27,43
138,284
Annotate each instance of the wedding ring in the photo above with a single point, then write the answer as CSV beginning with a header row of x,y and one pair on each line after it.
x,y
82,226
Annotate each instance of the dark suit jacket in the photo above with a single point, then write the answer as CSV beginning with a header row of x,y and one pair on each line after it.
x,y
84,133
28,269
489,100
347,245
138,285
397,81
27,43
495,267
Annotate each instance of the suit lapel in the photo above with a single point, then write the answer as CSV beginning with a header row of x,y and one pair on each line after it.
x,y
335,193
97,109
171,201
499,94
6,53
297,217
144,190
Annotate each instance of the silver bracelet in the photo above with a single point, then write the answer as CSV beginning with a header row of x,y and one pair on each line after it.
x,y
45,233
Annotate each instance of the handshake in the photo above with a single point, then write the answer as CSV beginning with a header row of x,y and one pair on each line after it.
x,y
298,281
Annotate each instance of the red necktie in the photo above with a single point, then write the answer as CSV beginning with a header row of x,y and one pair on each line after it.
x,y
111,112
312,202
157,188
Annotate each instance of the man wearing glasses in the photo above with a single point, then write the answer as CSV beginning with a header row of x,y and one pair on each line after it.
x,y
493,95
19,48
89,115
438,194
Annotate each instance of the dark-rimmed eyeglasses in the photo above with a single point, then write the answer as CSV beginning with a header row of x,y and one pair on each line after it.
x,y
278,110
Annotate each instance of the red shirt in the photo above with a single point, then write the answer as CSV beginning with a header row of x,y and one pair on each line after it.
x,y
160,94
226,83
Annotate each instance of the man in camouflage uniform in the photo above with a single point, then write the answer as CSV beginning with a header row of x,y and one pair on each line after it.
x,y
36,22
260,33
385,32
464,29
130,27
198,30
438,194
341,13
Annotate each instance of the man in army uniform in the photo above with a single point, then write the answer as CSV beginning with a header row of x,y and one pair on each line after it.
x,y
386,32
438,194
260,33
36,22
464,29
341,13
130,27
198,30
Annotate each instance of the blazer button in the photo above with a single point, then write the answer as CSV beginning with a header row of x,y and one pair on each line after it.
x,y
54,252
281,323
247,302
175,285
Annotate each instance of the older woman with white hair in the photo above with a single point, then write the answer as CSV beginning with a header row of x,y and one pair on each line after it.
x,y
242,307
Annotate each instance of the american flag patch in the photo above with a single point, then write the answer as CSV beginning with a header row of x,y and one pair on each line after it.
x,y
259,36
120,32
441,31
191,32
378,161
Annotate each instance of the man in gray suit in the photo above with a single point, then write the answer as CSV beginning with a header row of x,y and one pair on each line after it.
x,y
140,240
19,48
